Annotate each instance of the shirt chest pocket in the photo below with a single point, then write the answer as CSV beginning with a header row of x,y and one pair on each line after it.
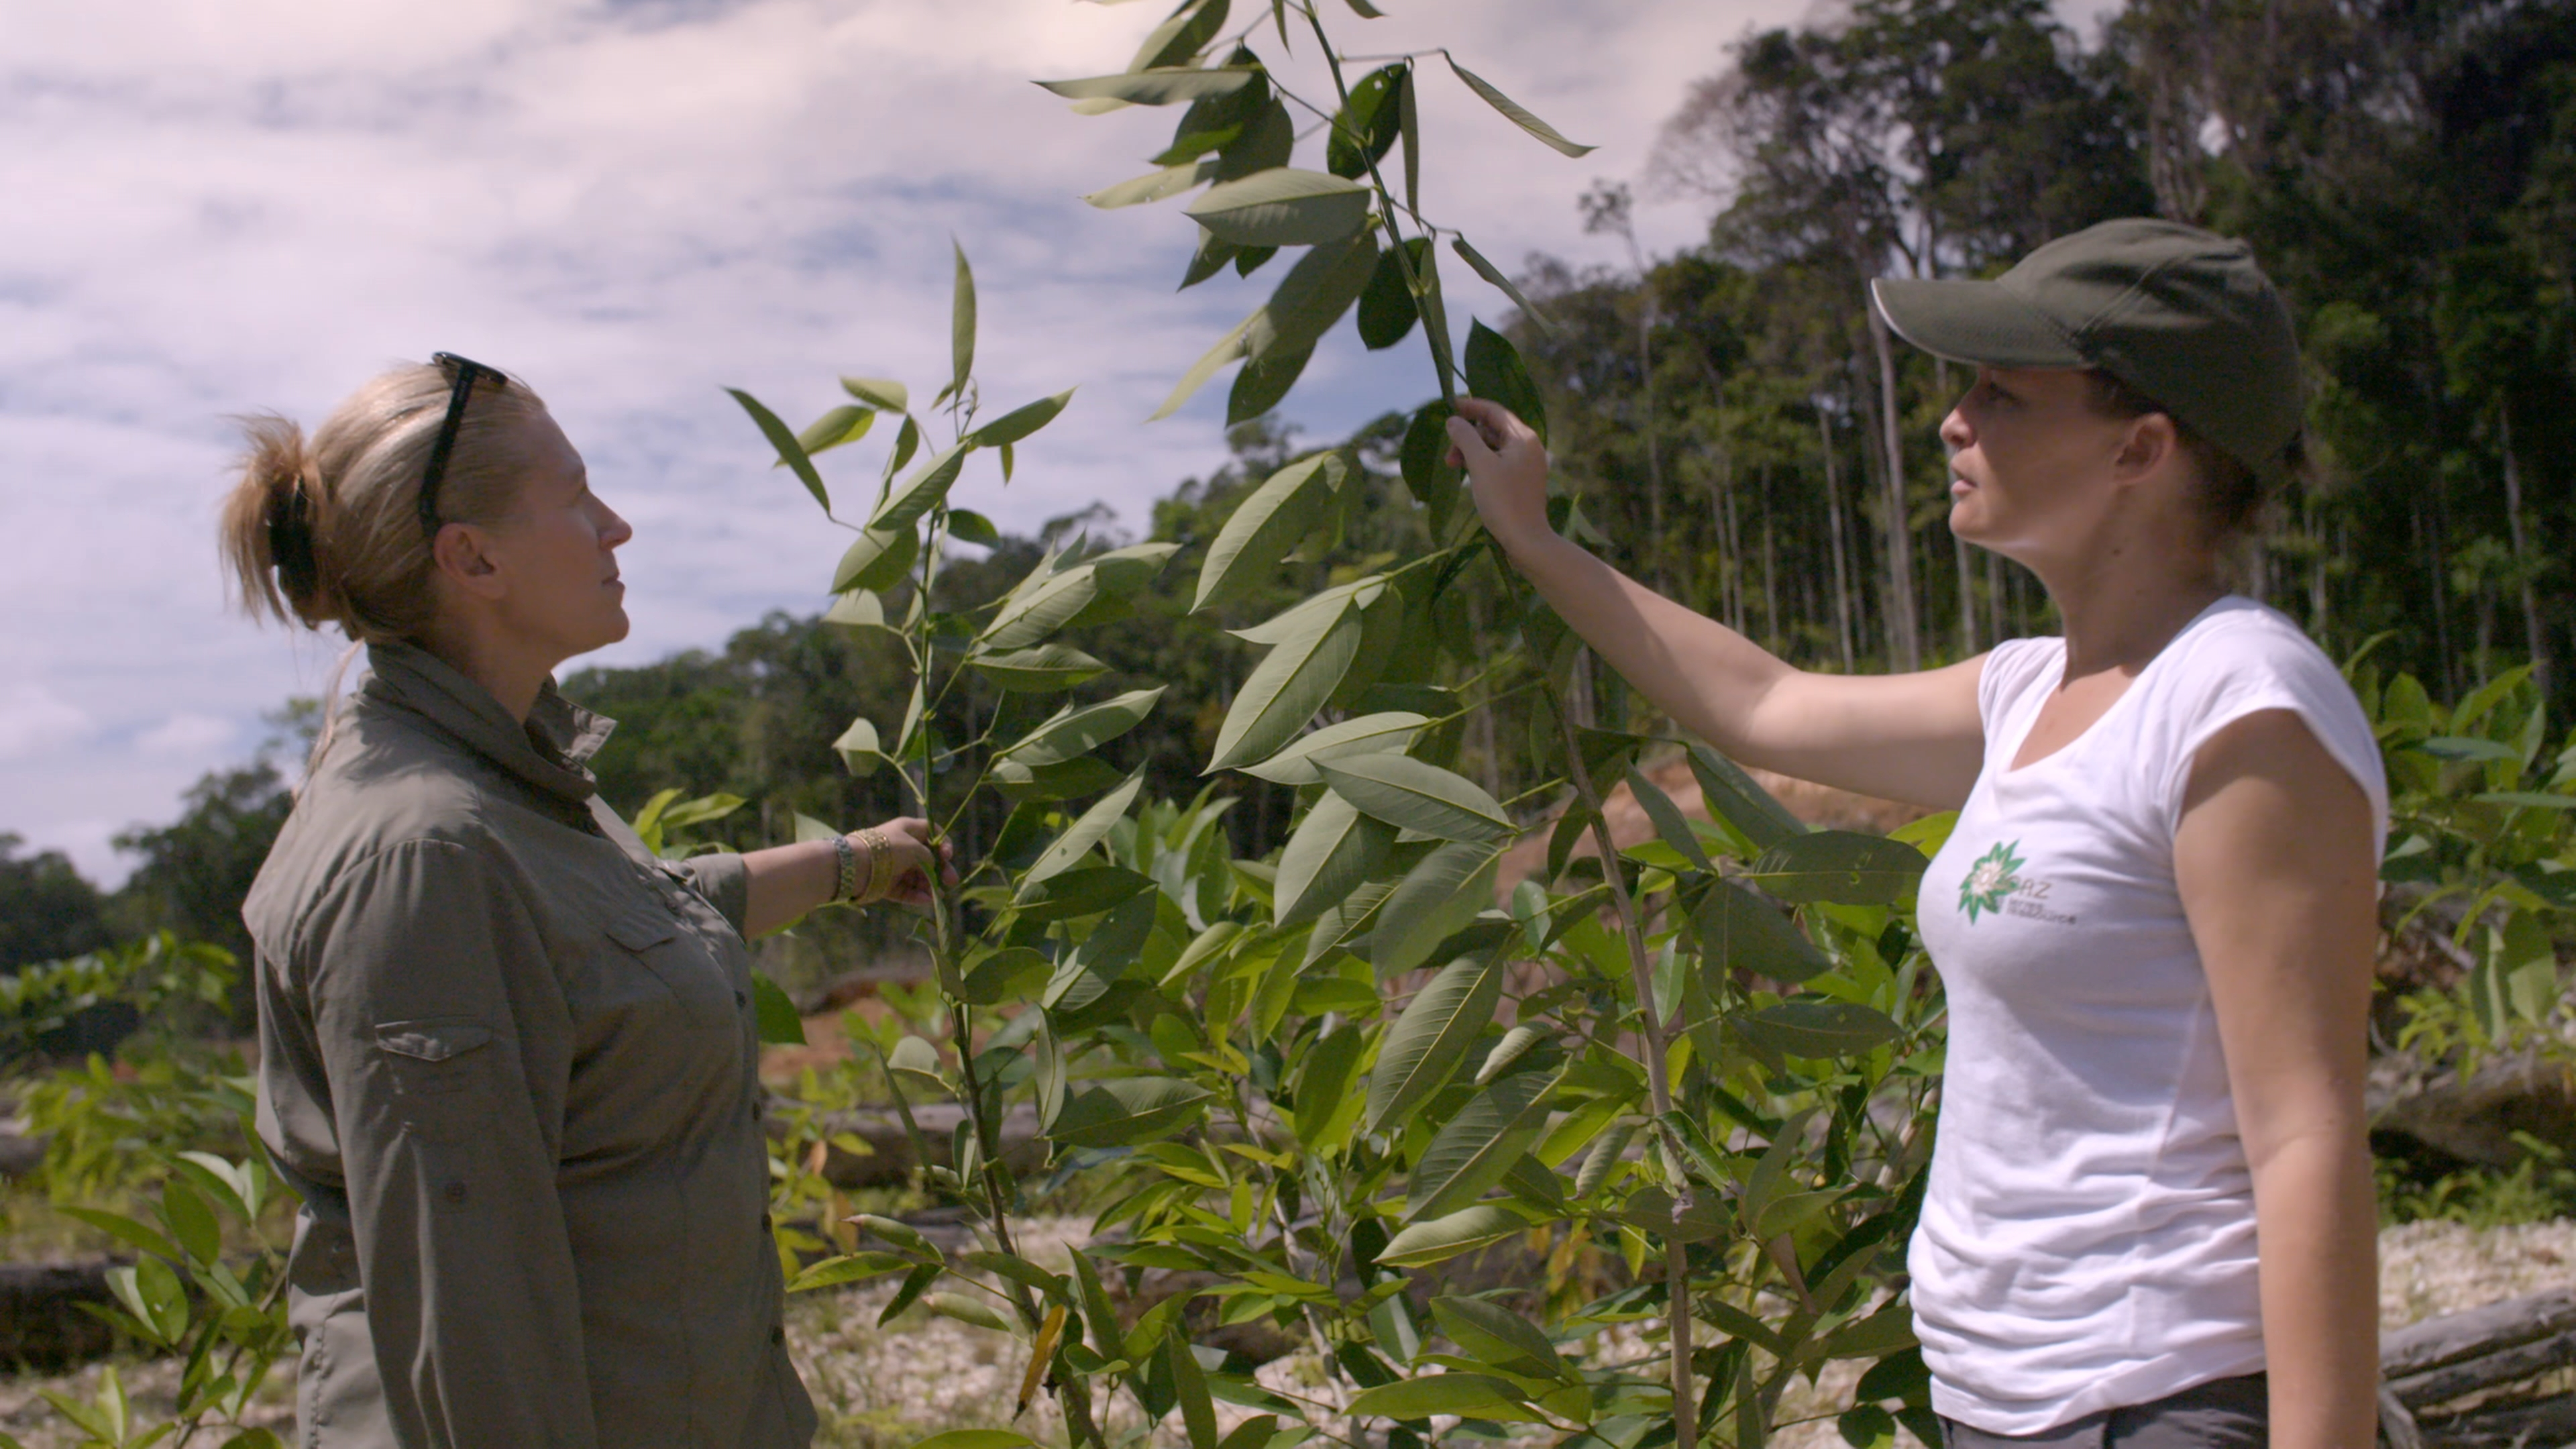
x,y
442,1072
682,963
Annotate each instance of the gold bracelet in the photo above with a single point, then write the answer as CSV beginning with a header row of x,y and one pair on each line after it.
x,y
881,864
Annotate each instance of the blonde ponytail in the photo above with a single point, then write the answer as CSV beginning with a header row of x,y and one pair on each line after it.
x,y
326,531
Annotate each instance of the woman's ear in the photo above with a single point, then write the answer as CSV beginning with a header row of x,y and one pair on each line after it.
x,y
461,555
2150,443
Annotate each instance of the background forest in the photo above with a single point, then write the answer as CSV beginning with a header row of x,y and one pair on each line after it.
x,y
1753,443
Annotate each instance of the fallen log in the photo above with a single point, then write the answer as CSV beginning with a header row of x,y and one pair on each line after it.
x,y
2502,1346
41,1324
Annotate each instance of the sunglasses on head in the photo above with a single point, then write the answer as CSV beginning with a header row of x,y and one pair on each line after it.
x,y
465,369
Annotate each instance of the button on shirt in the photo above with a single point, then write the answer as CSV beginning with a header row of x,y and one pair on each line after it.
x,y
507,1059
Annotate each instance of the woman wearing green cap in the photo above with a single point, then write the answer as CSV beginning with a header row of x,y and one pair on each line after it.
x,y
2150,1218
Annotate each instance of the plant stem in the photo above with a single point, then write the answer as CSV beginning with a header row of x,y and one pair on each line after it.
x,y
1658,1083
1386,217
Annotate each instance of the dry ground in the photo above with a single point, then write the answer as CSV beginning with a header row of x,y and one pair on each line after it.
x,y
883,1388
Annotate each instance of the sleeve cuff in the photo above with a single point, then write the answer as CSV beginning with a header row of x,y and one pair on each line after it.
x,y
726,883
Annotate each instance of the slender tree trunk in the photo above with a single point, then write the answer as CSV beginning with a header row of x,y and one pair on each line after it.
x,y
1994,597
2534,638
1905,637
2317,571
1654,451
1834,526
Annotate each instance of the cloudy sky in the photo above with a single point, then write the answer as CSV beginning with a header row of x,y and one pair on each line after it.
x,y
221,206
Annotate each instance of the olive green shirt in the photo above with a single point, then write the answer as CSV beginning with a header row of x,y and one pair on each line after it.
x,y
509,1060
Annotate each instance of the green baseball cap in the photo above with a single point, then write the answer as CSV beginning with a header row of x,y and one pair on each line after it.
x,y
2180,314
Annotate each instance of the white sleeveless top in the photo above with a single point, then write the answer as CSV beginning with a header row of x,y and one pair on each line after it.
x,y
2087,1237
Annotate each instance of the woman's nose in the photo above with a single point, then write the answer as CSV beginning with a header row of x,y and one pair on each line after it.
x,y
1955,432
616,530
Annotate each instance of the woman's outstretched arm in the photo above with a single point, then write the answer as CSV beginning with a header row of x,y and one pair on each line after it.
x,y
786,881
2276,863
1911,737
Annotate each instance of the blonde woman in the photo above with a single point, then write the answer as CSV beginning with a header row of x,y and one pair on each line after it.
x,y
508,1057
2150,1220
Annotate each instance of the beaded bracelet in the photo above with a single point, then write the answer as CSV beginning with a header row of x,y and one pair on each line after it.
x,y
846,883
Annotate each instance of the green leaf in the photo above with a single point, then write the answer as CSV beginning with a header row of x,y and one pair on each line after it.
x,y
1101,959
1227,349
1496,374
1189,1384
1739,931
1387,732
1474,1396
1413,795
844,424
1464,1231
1518,116
1473,1149
1127,1111
1299,620
1044,668
1287,506
1842,866
1494,274
847,1268
1263,383
1178,40
1324,1080
860,750
1435,900
790,452
1285,690
1332,850
919,493
1818,1028
1260,144
879,392
2526,800
975,1439
1018,423
124,1229
2468,747
1731,796
1387,313
1311,298
1604,1158
1424,456
1042,604
1071,780
192,1223
779,1023
1366,128
1079,731
879,559
1158,87
1670,824
1283,206
1498,1336
1087,831
1429,1040
1153,186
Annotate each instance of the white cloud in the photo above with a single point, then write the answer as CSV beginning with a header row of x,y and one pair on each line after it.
x,y
34,719
219,206
197,738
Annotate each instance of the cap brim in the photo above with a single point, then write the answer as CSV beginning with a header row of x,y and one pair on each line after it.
x,y
1976,322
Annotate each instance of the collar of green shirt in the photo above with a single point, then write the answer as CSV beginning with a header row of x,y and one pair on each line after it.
x,y
549,752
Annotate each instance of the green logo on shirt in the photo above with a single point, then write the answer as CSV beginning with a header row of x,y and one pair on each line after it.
x,y
1995,876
